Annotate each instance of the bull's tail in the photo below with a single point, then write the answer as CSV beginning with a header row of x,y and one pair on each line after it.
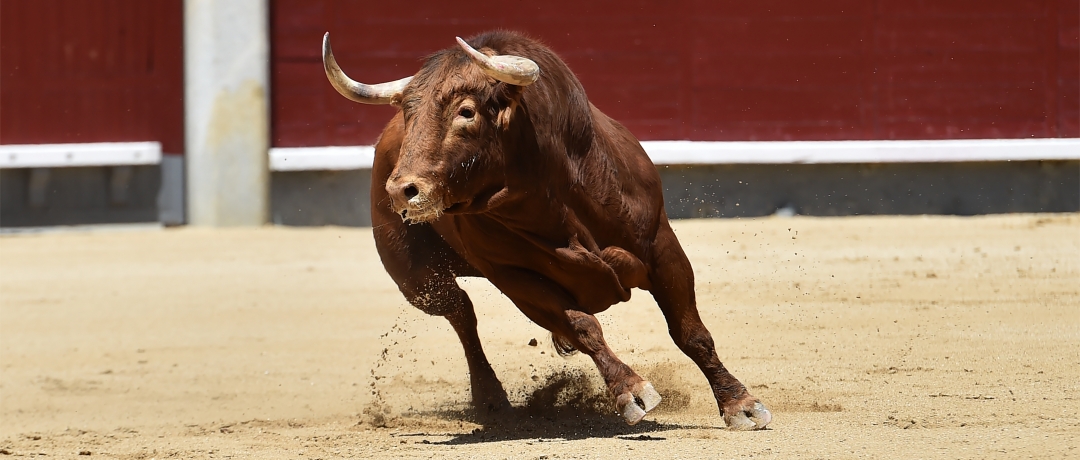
x,y
562,345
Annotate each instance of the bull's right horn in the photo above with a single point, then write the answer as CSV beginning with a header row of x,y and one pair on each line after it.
x,y
380,94
506,68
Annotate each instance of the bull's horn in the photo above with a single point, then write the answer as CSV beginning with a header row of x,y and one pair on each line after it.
x,y
514,70
381,94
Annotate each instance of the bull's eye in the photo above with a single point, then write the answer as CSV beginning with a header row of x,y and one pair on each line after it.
x,y
466,112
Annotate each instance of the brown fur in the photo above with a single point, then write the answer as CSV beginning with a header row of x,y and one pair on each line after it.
x,y
544,195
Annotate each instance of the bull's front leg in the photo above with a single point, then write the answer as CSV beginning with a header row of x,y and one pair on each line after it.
x,y
673,288
634,396
424,268
488,394
551,307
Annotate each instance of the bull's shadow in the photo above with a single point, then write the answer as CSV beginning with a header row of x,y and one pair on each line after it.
x,y
566,407
520,423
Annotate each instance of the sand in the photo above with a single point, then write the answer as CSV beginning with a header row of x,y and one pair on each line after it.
x,y
868,337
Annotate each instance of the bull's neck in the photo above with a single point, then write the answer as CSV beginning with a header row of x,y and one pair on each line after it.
x,y
543,177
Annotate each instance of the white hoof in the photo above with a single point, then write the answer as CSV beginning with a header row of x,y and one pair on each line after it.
x,y
631,412
648,396
739,422
760,415
755,418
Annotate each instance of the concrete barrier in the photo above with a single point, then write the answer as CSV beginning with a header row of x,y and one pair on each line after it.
x,y
106,182
329,185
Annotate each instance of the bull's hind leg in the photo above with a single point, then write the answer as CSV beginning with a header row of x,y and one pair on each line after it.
x,y
673,288
424,268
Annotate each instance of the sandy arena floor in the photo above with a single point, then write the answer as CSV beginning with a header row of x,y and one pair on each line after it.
x,y
870,337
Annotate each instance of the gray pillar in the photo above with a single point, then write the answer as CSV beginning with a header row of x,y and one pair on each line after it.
x,y
226,111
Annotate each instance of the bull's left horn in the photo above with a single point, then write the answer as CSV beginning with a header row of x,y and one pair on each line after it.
x,y
514,70
380,94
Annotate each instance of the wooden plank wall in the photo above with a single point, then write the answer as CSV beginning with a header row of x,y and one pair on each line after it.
x,y
718,69
92,71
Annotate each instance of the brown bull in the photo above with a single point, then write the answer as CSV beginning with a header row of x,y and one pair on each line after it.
x,y
496,165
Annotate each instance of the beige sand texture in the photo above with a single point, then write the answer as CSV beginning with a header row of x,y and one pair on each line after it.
x,y
868,337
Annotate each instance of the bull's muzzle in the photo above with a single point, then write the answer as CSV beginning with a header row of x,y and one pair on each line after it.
x,y
414,200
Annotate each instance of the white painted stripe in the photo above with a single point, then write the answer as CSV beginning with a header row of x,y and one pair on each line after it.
x,y
90,154
696,153
690,152
86,228
316,158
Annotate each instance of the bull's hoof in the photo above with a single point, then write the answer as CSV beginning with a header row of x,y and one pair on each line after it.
x,y
648,396
492,405
747,414
489,399
634,405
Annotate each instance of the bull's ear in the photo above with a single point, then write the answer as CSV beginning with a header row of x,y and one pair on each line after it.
x,y
513,98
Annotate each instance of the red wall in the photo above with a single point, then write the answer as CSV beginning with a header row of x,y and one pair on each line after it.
x,y
718,70
112,70
100,71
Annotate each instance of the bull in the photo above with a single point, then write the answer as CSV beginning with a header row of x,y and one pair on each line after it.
x,y
496,165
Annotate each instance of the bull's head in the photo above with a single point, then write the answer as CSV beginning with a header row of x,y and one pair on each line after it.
x,y
453,110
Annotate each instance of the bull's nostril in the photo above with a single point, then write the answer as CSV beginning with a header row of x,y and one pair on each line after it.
x,y
410,191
